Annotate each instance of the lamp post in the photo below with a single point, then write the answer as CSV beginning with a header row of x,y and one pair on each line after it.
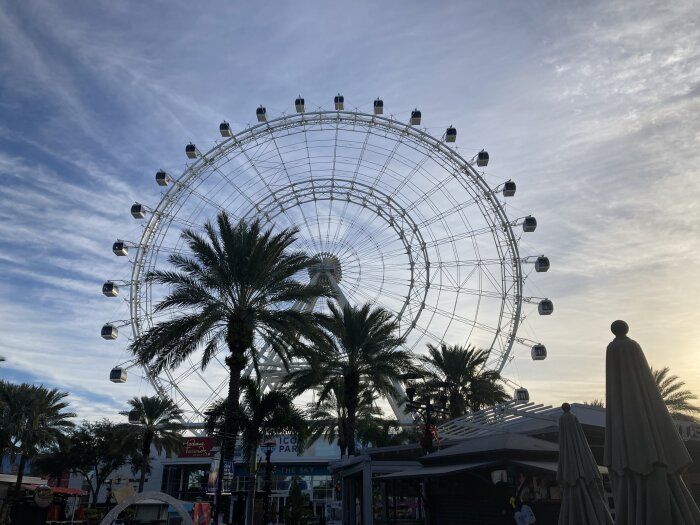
x,y
269,446
427,409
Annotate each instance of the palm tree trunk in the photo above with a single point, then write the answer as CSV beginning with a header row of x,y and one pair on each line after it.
x,y
20,475
352,385
252,489
236,362
145,453
350,432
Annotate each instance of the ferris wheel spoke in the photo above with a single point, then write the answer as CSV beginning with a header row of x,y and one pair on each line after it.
x,y
414,171
289,178
360,160
335,158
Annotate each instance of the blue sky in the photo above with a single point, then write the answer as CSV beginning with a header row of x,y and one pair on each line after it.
x,y
591,107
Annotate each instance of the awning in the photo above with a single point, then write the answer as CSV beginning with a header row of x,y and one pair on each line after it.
x,y
57,490
439,471
12,478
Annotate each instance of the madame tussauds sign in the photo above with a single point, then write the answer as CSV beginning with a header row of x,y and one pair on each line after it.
x,y
197,447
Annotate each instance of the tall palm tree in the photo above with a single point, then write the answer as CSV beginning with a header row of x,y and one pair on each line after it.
x,y
36,419
262,416
461,372
159,424
360,352
677,399
236,291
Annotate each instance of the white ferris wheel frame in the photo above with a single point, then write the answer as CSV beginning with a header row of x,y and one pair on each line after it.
x,y
500,226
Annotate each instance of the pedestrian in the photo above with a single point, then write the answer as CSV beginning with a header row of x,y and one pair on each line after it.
x,y
523,514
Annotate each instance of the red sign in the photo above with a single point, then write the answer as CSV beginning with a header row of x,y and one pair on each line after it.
x,y
197,447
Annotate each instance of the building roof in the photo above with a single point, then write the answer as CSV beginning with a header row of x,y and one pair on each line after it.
x,y
500,442
517,417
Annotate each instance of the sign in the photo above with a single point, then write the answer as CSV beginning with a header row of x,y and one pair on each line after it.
x,y
213,478
43,496
289,470
197,447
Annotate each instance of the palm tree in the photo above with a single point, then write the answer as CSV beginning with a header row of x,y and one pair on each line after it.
x,y
36,419
159,424
360,352
678,400
461,371
380,432
328,417
238,286
262,415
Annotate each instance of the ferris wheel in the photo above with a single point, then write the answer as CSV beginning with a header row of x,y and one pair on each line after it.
x,y
394,216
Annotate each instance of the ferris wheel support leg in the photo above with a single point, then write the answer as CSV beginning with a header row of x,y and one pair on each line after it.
x,y
269,357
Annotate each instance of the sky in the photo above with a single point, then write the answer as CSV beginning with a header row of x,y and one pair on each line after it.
x,y
591,107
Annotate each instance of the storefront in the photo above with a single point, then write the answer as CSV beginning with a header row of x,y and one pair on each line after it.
x,y
187,476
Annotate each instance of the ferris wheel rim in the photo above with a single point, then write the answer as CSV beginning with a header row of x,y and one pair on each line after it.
x,y
146,246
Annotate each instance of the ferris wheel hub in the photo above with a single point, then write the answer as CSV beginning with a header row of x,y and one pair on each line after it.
x,y
327,265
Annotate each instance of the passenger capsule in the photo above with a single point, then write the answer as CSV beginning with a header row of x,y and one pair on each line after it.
x,y
339,102
225,129
529,224
138,211
119,248
378,106
451,134
134,417
110,289
117,375
482,158
542,264
538,352
191,151
546,307
415,117
521,395
299,105
509,188
261,114
109,331
162,178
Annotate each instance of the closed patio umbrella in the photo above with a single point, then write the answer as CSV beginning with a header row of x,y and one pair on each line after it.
x,y
582,495
643,451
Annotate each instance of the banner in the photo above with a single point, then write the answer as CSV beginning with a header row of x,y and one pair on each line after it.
x,y
213,478
202,513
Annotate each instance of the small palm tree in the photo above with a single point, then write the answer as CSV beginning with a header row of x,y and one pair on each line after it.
x,y
159,424
236,291
361,352
461,371
262,416
328,417
380,432
677,399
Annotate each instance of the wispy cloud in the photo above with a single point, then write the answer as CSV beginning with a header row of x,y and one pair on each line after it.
x,y
590,107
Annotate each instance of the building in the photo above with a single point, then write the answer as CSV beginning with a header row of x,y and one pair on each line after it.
x,y
485,458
